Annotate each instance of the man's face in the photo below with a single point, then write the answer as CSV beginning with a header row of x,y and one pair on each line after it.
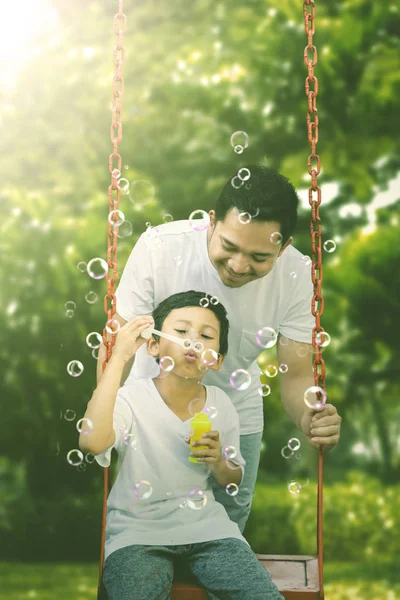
x,y
199,325
243,252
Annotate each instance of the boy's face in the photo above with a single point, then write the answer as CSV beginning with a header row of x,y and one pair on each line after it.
x,y
199,325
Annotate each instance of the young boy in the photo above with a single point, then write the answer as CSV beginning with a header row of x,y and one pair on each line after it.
x,y
162,506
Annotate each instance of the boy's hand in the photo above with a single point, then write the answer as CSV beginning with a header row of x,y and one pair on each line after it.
x,y
212,454
128,337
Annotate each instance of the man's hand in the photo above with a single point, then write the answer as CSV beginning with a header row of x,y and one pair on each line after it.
x,y
212,454
321,426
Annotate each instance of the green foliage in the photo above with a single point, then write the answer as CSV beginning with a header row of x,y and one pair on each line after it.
x,y
194,73
361,520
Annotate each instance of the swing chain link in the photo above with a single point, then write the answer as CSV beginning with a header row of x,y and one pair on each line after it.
x,y
314,193
114,190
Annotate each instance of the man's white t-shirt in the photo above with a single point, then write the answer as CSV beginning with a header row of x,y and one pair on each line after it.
x,y
159,496
174,258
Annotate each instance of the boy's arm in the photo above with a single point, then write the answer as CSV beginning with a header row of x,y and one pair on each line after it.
x,y
100,410
103,353
99,435
225,475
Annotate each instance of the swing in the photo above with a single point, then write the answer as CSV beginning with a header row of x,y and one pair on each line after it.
x,y
297,577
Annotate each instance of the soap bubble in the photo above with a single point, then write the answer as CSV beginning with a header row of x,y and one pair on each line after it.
x,y
209,357
230,452
244,218
264,390
81,423
204,302
323,339
116,218
167,364
313,402
82,266
286,452
94,340
294,444
271,371
142,489
199,220
232,489
294,488
276,238
141,192
75,457
91,297
244,174
196,499
69,414
240,379
97,268
75,368
211,412
329,246
283,368
266,337
113,326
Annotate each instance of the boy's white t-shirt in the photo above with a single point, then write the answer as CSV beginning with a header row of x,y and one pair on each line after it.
x,y
173,258
153,457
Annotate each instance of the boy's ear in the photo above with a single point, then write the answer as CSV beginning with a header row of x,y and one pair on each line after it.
x,y
218,364
152,347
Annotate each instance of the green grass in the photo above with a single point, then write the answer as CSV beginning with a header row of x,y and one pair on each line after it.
x,y
343,581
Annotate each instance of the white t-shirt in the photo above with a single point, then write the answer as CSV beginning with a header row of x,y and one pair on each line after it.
x,y
153,456
174,258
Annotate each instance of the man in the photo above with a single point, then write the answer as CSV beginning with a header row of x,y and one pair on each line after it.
x,y
245,259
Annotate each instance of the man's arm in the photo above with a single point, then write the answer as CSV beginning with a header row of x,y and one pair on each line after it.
x,y
103,353
298,378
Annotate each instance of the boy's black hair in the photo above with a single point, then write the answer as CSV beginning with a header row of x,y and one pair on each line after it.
x,y
192,298
266,191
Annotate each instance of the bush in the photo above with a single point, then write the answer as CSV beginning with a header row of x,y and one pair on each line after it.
x,y
360,520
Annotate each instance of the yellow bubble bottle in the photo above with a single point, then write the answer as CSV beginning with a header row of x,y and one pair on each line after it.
x,y
200,424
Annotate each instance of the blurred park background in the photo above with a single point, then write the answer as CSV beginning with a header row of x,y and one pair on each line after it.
x,y
195,73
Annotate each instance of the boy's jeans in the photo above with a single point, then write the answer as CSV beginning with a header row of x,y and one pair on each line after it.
x,y
238,507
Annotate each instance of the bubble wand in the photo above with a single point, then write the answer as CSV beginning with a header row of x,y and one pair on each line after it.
x,y
186,343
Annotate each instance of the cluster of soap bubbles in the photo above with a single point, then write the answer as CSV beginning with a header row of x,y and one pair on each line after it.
x,y
204,302
291,449
70,306
239,141
75,457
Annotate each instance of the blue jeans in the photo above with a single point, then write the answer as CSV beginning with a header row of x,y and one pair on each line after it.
x,y
238,507
227,569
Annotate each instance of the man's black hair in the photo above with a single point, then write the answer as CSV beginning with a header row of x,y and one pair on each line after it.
x,y
267,193
192,298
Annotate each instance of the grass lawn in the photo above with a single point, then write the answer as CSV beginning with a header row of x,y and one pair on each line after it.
x,y
343,581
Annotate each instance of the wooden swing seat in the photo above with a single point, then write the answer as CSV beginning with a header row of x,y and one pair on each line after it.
x,y
296,577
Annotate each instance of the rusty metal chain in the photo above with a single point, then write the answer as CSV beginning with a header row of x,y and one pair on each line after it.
x,y
114,192
314,198
314,193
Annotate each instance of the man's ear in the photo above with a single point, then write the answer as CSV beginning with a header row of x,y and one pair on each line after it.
x,y
211,214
